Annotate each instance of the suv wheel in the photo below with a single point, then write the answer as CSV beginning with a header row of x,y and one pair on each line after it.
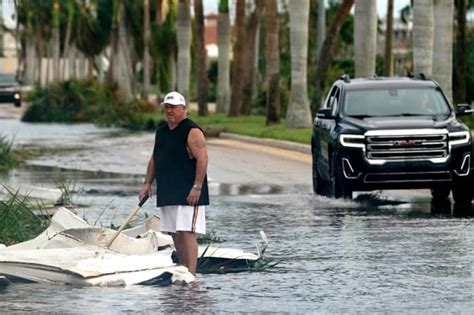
x,y
462,193
440,192
337,189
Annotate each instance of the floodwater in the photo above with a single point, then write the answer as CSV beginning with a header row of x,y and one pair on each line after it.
x,y
371,255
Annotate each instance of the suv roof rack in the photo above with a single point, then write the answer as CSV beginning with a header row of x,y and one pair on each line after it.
x,y
346,78
419,75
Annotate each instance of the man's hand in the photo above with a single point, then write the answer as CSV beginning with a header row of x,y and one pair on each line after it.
x,y
146,190
193,196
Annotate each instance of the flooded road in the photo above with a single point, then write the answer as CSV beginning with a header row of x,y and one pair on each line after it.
x,y
381,253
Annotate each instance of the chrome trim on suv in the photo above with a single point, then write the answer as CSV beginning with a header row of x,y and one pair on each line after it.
x,y
384,146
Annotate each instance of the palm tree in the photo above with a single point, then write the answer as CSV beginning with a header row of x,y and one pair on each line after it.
x,y
1,30
321,28
67,39
201,56
34,16
327,52
248,67
120,70
146,44
183,37
92,36
55,40
461,51
388,39
164,31
443,45
24,10
423,36
223,43
237,70
365,37
298,114
273,63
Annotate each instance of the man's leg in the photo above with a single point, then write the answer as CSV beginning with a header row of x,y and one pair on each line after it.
x,y
178,246
187,249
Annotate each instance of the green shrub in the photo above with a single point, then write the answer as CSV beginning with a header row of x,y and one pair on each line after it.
x,y
18,223
6,158
82,101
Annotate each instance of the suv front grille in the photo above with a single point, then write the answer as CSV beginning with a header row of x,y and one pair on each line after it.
x,y
407,146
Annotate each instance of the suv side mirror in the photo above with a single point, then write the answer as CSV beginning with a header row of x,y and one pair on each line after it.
x,y
324,113
464,109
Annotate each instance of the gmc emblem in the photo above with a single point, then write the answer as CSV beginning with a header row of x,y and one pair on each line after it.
x,y
404,143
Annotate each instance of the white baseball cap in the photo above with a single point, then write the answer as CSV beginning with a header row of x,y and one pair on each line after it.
x,y
174,98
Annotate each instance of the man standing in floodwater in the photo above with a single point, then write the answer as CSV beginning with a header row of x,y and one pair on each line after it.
x,y
179,166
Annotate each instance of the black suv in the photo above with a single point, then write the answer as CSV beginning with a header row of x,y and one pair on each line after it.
x,y
391,133
10,89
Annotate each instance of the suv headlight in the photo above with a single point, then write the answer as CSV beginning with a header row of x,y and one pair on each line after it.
x,y
459,137
353,141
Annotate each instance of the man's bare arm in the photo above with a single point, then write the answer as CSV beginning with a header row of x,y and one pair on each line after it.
x,y
197,146
149,178
198,149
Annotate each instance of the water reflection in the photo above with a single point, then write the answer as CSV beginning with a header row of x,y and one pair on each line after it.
x,y
224,189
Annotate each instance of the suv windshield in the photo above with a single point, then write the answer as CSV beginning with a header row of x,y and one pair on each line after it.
x,y
395,102
7,78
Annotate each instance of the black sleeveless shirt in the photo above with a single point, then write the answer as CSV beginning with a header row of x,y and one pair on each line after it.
x,y
174,169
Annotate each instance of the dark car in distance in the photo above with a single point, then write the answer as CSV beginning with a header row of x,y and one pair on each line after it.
x,y
391,133
10,89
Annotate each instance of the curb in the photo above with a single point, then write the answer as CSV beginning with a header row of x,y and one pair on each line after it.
x,y
288,145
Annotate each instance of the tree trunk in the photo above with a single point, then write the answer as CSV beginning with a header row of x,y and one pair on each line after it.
x,y
82,71
388,40
423,36
146,53
201,56
2,52
223,43
173,68
248,67
237,70
72,67
30,61
159,12
443,45
39,61
298,114
321,28
327,53
365,37
47,50
184,36
461,91
67,39
120,65
55,42
273,63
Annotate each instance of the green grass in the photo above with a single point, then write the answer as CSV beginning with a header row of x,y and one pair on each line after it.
x,y
469,121
253,126
18,223
6,158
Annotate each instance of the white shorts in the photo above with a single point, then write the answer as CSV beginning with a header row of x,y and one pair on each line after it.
x,y
183,218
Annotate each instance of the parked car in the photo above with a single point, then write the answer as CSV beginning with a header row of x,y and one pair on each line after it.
x,y
10,89
391,133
